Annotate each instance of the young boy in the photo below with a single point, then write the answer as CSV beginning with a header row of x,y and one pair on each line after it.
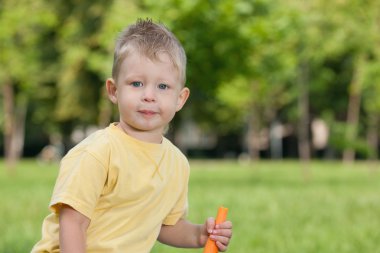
x,y
125,186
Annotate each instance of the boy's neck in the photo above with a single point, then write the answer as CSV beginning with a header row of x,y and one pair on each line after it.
x,y
145,136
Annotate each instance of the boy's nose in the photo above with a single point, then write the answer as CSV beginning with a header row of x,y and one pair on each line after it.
x,y
149,94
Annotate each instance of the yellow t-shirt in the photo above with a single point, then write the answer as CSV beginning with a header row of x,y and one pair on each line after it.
x,y
128,189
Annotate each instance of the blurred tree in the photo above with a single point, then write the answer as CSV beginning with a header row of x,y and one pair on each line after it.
x,y
371,90
21,60
358,27
372,106
307,43
366,75
250,64
271,66
78,80
287,49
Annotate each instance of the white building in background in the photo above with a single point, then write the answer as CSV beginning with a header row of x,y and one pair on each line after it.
x,y
190,136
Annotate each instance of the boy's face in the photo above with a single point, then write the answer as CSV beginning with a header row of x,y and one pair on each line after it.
x,y
148,94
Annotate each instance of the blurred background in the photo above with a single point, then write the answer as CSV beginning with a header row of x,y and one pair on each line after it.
x,y
268,79
275,85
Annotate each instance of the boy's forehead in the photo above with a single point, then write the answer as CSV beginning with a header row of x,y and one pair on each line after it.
x,y
135,57
158,57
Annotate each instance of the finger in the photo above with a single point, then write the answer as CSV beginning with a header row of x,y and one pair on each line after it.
x,y
210,224
226,225
221,246
222,232
221,239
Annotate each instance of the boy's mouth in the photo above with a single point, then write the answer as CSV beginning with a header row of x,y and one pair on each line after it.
x,y
147,112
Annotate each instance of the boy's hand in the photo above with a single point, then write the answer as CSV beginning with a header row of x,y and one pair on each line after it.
x,y
220,233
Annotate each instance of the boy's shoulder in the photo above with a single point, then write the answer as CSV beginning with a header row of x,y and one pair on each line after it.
x,y
172,147
97,143
174,150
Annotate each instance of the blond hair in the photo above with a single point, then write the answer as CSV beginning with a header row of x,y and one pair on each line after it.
x,y
149,39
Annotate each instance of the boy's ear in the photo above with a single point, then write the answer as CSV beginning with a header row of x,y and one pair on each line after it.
x,y
182,98
111,90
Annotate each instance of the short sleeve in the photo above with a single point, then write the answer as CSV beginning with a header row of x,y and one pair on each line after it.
x,y
174,216
80,183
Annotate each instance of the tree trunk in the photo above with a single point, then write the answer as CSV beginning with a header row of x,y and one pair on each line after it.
x,y
303,109
14,125
373,136
353,110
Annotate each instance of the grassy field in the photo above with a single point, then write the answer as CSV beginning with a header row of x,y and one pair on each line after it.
x,y
274,207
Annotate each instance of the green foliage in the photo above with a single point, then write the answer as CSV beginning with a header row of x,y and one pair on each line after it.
x,y
272,206
245,58
21,36
78,45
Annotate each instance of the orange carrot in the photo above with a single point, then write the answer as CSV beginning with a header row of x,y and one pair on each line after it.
x,y
210,246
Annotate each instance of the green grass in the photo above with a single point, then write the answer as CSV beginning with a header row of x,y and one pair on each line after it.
x,y
275,207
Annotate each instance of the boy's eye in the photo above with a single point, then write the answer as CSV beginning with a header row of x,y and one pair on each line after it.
x,y
137,84
163,86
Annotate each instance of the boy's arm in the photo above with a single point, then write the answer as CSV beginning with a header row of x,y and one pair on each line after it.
x,y
183,234
187,235
72,230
